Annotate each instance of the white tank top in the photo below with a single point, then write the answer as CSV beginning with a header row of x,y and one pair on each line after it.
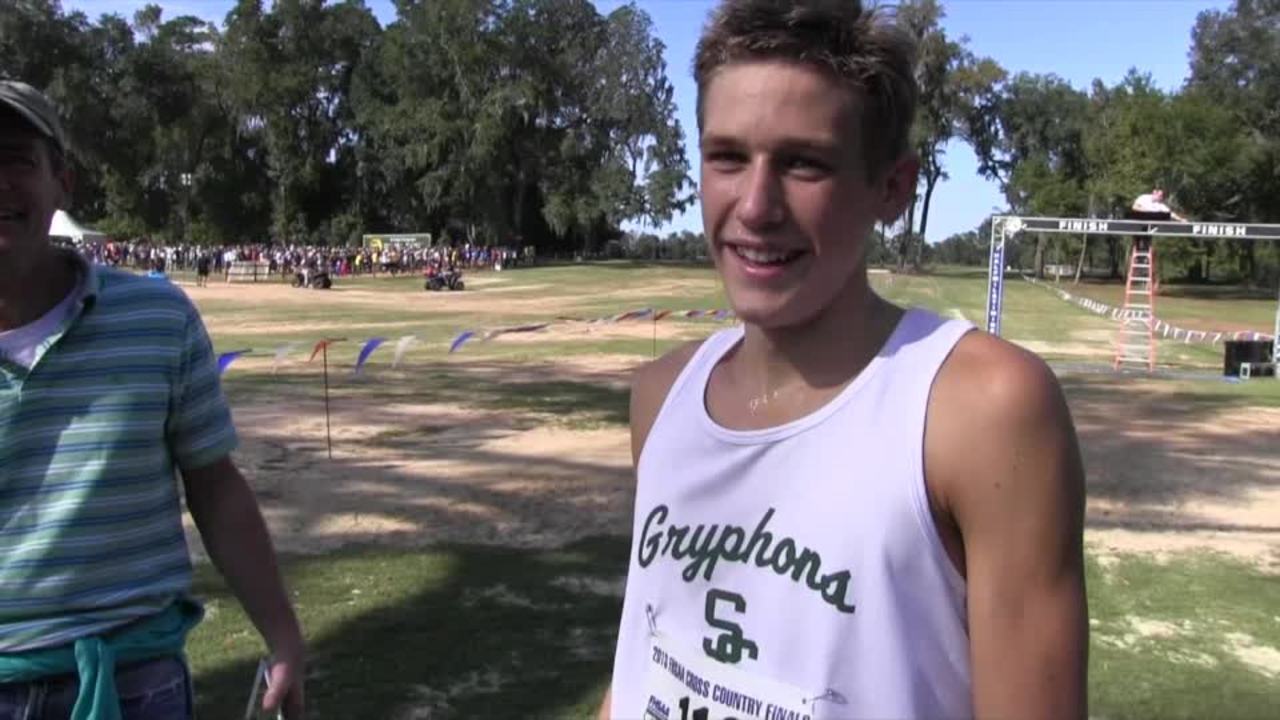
x,y
810,545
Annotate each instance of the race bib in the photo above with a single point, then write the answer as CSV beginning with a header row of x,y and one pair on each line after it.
x,y
688,685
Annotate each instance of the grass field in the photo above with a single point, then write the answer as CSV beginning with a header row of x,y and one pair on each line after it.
x,y
461,556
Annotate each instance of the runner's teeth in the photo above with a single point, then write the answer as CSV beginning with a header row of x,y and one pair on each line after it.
x,y
760,256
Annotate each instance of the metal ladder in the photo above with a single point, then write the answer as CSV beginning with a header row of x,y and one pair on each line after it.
x,y
1136,338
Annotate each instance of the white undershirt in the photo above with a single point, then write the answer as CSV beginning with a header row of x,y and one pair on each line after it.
x,y
20,344
1149,203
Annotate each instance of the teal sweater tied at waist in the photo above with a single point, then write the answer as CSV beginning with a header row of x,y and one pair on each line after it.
x,y
94,658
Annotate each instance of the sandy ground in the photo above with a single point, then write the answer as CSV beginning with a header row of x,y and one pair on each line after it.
x,y
417,474
280,297
1243,647
1165,474
412,474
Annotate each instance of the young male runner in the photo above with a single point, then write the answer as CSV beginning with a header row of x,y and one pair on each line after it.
x,y
844,509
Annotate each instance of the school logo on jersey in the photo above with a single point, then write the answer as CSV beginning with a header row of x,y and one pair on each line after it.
x,y
702,548
730,645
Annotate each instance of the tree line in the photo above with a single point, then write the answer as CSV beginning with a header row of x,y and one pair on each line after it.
x,y
548,123
540,122
1059,151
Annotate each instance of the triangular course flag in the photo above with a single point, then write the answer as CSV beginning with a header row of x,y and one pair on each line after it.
x,y
402,346
283,351
460,340
225,359
369,346
322,345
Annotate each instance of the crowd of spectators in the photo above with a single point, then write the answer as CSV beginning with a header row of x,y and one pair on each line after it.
x,y
286,260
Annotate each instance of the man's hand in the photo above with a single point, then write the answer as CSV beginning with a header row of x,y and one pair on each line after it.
x,y
285,690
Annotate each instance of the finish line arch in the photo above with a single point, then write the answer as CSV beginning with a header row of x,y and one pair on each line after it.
x,y
1004,227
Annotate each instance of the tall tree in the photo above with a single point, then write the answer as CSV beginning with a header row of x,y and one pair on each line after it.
x,y
291,70
537,118
1141,136
1029,137
951,80
1235,65
303,120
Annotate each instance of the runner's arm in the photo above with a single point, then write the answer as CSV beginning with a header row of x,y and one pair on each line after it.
x,y
650,384
604,713
1003,450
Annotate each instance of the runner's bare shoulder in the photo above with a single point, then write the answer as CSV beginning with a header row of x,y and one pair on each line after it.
x,y
993,404
650,384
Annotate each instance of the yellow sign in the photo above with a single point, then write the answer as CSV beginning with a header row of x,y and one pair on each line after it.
x,y
379,242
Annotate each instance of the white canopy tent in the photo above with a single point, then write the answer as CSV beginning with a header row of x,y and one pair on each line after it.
x,y
65,227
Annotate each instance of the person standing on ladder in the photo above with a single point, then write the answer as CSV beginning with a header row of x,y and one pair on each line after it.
x,y
1135,338
1151,206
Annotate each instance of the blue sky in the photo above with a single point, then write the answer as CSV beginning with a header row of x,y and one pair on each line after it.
x,y
1078,40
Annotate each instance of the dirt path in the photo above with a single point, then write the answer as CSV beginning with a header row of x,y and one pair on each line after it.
x,y
1165,474
1168,473
410,474
544,301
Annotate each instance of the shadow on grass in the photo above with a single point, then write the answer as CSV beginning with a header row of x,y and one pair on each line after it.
x,y
454,632
1166,638
646,264
438,454
1217,292
470,632
601,398
458,631
1170,290
1148,444
1153,445
956,271
606,404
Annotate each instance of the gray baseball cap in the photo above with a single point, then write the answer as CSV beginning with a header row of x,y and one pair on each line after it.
x,y
32,105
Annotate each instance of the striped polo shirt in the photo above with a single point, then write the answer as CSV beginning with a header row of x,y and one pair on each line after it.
x,y
90,438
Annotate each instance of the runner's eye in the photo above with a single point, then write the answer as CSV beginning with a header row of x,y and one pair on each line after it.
x,y
806,166
725,159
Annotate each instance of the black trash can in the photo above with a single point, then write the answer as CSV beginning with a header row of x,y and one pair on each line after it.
x,y
1237,352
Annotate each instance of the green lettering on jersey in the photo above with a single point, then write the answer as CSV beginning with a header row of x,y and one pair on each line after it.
x,y
729,645
701,548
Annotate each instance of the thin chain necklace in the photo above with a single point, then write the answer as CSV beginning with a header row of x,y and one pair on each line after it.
x,y
760,402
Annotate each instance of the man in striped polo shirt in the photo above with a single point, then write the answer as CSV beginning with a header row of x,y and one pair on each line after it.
x,y
107,386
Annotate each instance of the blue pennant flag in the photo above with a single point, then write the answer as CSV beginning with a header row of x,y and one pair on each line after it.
x,y
369,346
225,359
460,340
